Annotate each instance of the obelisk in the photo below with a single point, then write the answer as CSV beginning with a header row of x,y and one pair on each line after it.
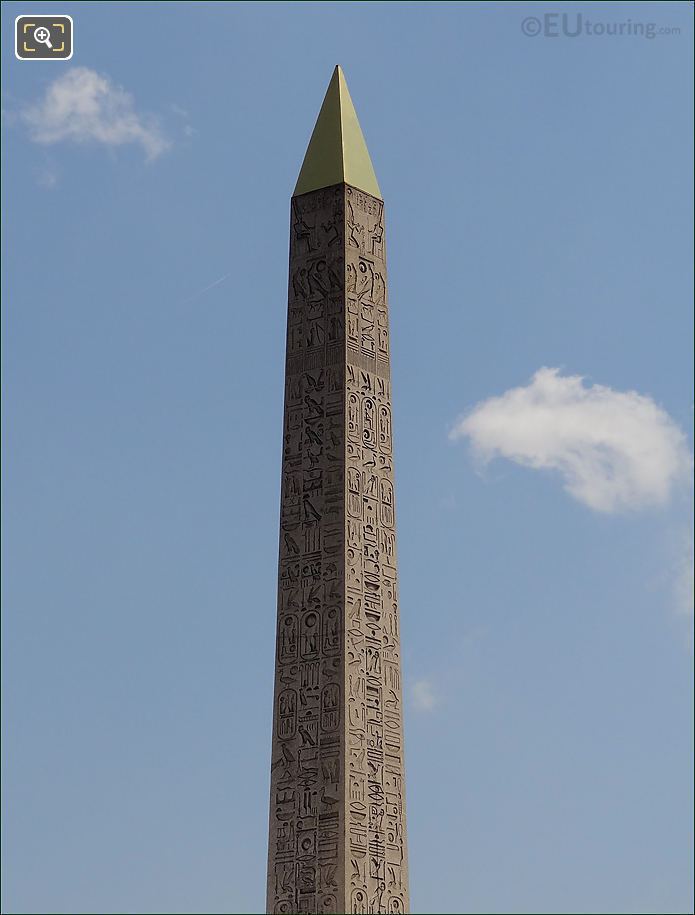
x,y
337,803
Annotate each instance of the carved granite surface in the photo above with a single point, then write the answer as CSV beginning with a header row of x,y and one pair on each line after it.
x,y
337,840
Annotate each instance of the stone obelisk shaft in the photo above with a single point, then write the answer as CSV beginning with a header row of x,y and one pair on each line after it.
x,y
337,814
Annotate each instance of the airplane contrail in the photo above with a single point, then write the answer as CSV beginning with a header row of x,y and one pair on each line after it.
x,y
206,288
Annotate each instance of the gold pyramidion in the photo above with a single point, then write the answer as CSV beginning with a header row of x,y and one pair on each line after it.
x,y
337,152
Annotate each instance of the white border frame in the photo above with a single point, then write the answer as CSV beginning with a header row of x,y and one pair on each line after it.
x,y
44,16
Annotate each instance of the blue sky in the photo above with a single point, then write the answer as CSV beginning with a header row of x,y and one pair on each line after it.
x,y
538,215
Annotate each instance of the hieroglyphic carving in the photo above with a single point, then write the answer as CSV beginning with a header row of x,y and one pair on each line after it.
x,y
377,854
305,871
337,812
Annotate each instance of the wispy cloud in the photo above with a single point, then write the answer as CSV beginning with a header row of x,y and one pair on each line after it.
x,y
182,113
82,106
424,695
684,577
47,177
615,450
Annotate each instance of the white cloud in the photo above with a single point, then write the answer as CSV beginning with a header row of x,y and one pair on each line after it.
x,y
47,178
83,106
424,696
180,112
615,450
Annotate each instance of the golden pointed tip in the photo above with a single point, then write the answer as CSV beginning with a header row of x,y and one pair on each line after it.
x,y
337,152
